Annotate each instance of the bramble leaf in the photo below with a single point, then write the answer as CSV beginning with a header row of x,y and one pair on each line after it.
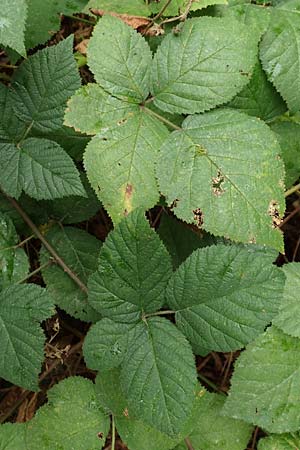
x,y
266,382
280,55
22,307
134,268
42,84
280,442
72,418
223,171
12,436
92,110
14,263
80,251
12,24
224,296
158,375
120,59
288,319
121,168
205,65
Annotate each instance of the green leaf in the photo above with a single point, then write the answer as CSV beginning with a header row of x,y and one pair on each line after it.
x,y
11,128
10,178
46,171
179,6
266,382
288,136
14,264
223,171
44,19
22,307
133,7
42,85
134,268
158,375
259,97
212,431
73,143
12,436
225,296
280,442
109,393
181,240
289,310
80,251
91,110
205,65
280,55
106,344
71,419
120,59
121,168
12,25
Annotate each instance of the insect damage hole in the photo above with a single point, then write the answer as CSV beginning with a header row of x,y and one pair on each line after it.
x,y
274,213
198,216
217,182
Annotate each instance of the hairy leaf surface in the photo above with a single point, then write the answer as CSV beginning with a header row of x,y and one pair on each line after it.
x,y
80,251
12,24
22,307
42,85
120,59
224,296
121,168
134,268
205,65
158,375
288,318
280,55
280,442
266,382
223,171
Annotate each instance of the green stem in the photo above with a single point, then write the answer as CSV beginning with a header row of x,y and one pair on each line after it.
x,y
25,134
113,433
188,443
211,384
160,313
161,118
34,272
292,190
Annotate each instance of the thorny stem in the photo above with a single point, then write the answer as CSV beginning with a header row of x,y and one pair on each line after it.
x,y
292,190
161,118
158,15
113,432
34,272
46,244
182,17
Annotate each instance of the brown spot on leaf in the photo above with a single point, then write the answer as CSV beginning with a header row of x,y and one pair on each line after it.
x,y
174,203
198,216
100,435
125,412
217,184
128,190
274,213
246,74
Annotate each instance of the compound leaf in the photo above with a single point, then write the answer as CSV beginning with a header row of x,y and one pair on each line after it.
x,y
80,251
13,261
71,419
134,268
289,310
205,65
91,110
22,307
42,85
266,382
280,55
225,296
223,171
120,59
106,344
46,171
12,24
259,98
121,168
158,375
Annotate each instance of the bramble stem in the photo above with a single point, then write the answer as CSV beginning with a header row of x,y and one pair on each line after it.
x,y
292,190
188,444
34,272
46,244
160,313
113,432
161,118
